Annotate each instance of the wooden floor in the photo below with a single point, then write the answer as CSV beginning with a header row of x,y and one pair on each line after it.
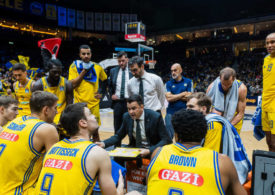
x,y
250,143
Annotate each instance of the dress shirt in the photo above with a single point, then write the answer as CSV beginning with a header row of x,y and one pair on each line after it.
x,y
142,128
154,93
118,82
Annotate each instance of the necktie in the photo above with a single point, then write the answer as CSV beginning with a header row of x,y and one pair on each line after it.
x,y
141,93
138,135
122,89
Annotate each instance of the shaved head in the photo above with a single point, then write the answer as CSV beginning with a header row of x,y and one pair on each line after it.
x,y
176,71
270,44
176,65
270,35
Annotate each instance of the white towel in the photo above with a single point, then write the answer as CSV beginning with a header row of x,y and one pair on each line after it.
x,y
228,105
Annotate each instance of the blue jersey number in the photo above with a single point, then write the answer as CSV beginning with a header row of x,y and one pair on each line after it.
x,y
175,191
2,148
269,67
47,183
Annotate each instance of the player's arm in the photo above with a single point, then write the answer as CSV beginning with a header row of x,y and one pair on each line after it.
x,y
229,176
241,105
98,163
209,87
14,85
74,77
69,92
37,85
44,137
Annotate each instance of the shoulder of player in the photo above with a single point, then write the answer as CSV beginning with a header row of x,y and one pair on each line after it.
x,y
225,163
242,89
98,153
72,65
46,129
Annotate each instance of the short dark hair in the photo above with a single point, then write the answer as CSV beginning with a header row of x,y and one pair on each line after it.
x,y
136,60
122,53
135,98
40,99
54,62
19,66
84,47
70,117
203,100
189,125
227,73
6,101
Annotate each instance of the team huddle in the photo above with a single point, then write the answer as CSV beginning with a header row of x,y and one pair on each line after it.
x,y
49,140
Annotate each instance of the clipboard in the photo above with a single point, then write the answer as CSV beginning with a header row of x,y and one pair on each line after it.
x,y
125,152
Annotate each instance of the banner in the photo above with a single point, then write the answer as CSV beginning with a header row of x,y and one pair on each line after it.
x,y
251,100
124,20
71,18
107,22
133,18
89,21
116,22
36,8
62,16
51,12
80,20
98,22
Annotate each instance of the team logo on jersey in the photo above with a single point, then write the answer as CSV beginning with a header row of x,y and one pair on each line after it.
x,y
58,164
173,86
61,88
9,136
179,176
185,84
27,90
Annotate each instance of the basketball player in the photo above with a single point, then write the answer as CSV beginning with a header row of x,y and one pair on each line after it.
x,y
8,110
228,97
23,143
187,168
268,97
73,165
56,84
22,88
85,76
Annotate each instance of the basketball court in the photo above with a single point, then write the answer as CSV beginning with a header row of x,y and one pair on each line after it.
x,y
106,130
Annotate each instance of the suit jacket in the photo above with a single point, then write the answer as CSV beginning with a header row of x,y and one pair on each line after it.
x,y
113,78
155,131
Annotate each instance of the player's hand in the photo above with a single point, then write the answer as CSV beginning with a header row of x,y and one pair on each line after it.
x,y
120,186
115,97
98,95
144,152
100,144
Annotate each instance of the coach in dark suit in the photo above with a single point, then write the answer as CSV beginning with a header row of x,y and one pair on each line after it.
x,y
118,80
145,128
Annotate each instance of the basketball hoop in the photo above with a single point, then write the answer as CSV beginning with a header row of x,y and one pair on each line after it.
x,y
151,63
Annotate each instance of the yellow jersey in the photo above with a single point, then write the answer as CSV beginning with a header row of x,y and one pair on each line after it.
x,y
60,92
20,163
213,136
85,92
268,96
23,95
176,169
64,169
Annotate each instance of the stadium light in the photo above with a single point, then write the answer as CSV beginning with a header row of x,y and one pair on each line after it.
x,y
180,37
